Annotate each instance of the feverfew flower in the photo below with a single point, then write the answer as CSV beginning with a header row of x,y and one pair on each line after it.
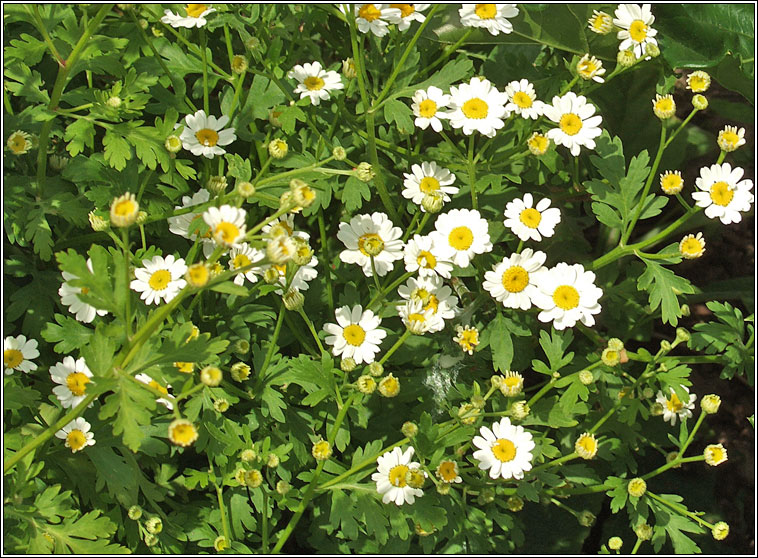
x,y
522,100
204,135
513,281
586,446
418,320
477,106
635,22
664,106
426,107
715,454
691,246
241,257
576,125
467,338
567,294
160,278
698,81
423,257
491,17
433,295
315,82
375,17
19,142
371,235
673,407
672,182
392,470
447,472
730,138
17,354
227,224
145,379
722,193
195,16
77,434
590,68
409,13
600,23
427,178
356,334
538,144
181,224
73,377
506,450
528,222
460,234
70,297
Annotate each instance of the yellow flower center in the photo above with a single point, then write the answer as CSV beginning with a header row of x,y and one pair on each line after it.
x,y
185,367
671,183
76,439
570,124
427,108
194,10
369,12
429,184
530,217
389,386
588,444
515,279
716,454
539,143
426,260
698,83
721,193
691,247
240,260
504,450
183,434
638,30
228,232
198,275
665,105
155,385
12,358
354,334
370,244
77,383
486,11
475,109
566,297
461,238
397,475
313,83
124,208
469,339
599,22
159,280
674,404
17,144
405,9
448,471
416,317
730,138
512,383
586,68
207,137
522,100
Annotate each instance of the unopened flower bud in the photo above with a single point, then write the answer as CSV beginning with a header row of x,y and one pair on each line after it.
x,y
303,194
478,401
142,23
241,346
216,184
710,404
339,153
141,217
98,224
303,253
652,50
253,43
253,478
644,532
626,58
282,487
514,504
496,381
415,478
150,539
720,531
586,518
279,250
443,488
321,450
58,162
520,410
366,384
665,345
637,487
685,310
347,364
409,429
432,202
656,409
682,335
273,118
278,148
245,189
271,276
699,102
348,68
287,201
211,376
173,144
134,513
124,210
293,300
249,455
487,495
220,544
364,172
376,369
610,357
154,525
272,462
615,543
239,64
114,101
586,377
221,405
389,386
468,413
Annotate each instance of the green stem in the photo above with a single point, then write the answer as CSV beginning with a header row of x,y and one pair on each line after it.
x,y
328,259
447,52
290,173
222,511
264,523
618,403
204,54
568,86
637,544
127,298
272,341
383,292
692,434
681,127
193,47
396,346
721,158
555,462
472,171
40,25
680,510
313,329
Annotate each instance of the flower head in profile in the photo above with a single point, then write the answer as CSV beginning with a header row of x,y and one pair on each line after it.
x,y
315,82
194,16
514,280
577,127
371,236
76,434
567,294
600,23
674,407
477,106
356,334
672,182
590,68
409,13
634,22
73,377
69,294
160,278
376,17
19,142
492,17
691,246
205,135
392,474
528,221
504,449
730,138
227,225
722,193
461,234
426,107
426,178
17,354
423,257
523,100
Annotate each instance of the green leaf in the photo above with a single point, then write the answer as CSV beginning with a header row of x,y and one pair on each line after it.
x,y
342,514
354,192
26,83
27,49
228,287
400,113
17,397
273,400
79,134
374,520
38,231
117,150
288,116
555,344
130,408
618,493
675,525
500,343
663,286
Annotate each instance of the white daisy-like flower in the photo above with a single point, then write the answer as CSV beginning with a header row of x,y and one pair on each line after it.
x,y
77,434
674,407
70,297
722,193
418,319
635,22
409,13
284,224
182,224
423,257
447,472
160,278
567,294
356,334
426,107
73,377
391,477
425,179
528,221
227,225
506,450
491,17
433,295
514,280
460,234
145,379
204,135
600,23
590,68
523,100
576,125
477,106
371,235
375,17
243,256
315,82
194,16
730,138
17,354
